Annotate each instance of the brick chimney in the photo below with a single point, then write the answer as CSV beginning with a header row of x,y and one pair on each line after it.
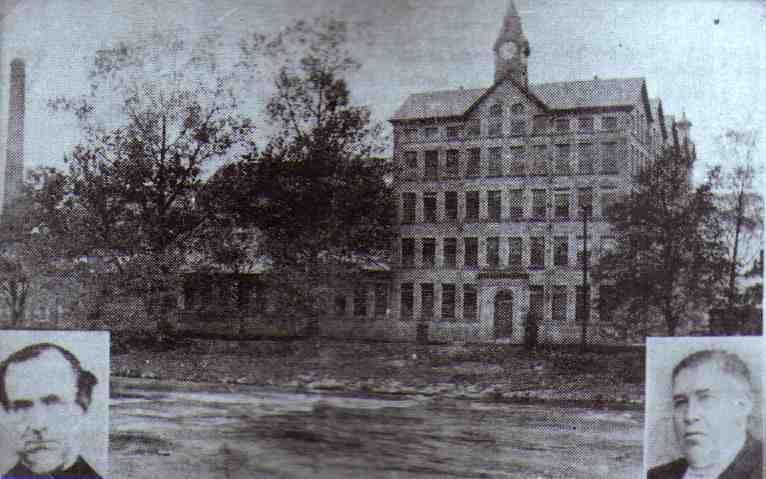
x,y
14,157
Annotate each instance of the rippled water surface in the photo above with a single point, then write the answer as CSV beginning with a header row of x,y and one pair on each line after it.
x,y
244,432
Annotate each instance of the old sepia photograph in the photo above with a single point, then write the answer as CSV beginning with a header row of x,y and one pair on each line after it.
x,y
54,392
381,238
704,407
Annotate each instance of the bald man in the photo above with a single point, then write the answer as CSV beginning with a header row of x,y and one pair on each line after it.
x,y
712,401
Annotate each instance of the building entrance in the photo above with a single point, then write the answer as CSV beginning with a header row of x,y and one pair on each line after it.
x,y
504,314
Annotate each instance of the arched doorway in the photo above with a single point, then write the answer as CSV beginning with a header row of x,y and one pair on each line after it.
x,y
504,314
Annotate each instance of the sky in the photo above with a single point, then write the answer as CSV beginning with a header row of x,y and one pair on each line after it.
x,y
701,57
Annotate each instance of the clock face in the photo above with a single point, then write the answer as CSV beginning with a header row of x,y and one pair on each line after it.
x,y
508,50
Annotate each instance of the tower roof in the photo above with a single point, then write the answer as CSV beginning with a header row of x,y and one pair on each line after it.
x,y
511,29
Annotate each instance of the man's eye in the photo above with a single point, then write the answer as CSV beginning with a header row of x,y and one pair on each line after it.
x,y
680,403
49,400
20,406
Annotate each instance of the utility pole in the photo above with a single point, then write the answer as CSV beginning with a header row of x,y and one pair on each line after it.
x,y
585,287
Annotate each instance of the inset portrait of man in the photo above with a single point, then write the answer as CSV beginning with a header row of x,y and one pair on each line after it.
x,y
715,408
49,401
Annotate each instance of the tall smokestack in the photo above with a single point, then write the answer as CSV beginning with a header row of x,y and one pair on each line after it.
x,y
14,163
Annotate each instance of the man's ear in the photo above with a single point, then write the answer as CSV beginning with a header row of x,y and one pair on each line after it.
x,y
745,403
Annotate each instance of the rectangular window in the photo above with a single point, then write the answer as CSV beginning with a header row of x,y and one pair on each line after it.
x,y
561,251
408,252
493,252
537,252
517,161
408,207
472,206
452,167
493,205
562,205
450,252
515,252
432,165
340,306
536,303
585,124
410,134
407,301
562,125
540,124
469,303
495,167
496,110
426,301
606,303
495,127
473,168
585,201
608,199
448,302
474,128
517,204
453,132
581,252
471,252
429,252
585,159
538,204
562,159
609,159
360,301
539,153
381,300
411,159
609,123
430,133
450,205
579,304
559,304
429,207
518,127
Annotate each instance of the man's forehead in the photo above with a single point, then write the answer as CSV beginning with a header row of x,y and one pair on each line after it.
x,y
706,376
47,373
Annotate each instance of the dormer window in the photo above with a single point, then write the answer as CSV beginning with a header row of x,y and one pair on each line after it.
x,y
517,108
496,110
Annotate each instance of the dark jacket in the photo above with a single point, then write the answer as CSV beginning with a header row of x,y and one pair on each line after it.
x,y
80,470
748,464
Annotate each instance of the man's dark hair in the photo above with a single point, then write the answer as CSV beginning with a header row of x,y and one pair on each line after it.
x,y
86,381
729,363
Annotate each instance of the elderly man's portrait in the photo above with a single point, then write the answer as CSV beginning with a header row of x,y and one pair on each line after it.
x,y
704,408
54,393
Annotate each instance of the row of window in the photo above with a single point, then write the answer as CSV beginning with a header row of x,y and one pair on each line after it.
x,y
515,248
362,294
492,126
541,204
522,161
559,298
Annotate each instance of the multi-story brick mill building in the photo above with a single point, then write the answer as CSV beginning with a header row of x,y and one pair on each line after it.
x,y
492,187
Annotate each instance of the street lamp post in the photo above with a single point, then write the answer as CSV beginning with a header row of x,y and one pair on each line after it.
x,y
585,211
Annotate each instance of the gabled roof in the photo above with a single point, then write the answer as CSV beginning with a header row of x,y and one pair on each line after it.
x,y
590,93
555,96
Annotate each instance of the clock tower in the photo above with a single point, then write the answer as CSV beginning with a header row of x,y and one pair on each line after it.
x,y
511,49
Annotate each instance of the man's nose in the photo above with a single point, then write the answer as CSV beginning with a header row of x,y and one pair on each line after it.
x,y
692,411
37,420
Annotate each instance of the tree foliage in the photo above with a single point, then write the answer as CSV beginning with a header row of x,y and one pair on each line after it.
x,y
159,112
669,254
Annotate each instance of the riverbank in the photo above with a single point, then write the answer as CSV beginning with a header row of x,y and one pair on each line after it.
x,y
496,372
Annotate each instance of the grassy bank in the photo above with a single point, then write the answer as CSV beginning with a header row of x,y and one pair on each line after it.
x,y
608,376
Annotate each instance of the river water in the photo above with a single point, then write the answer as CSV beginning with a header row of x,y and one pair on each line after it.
x,y
181,431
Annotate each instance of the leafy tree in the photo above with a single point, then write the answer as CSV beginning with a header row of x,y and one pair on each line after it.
x,y
160,110
669,252
316,192
736,179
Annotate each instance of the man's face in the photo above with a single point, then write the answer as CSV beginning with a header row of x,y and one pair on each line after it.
x,y
710,410
43,411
